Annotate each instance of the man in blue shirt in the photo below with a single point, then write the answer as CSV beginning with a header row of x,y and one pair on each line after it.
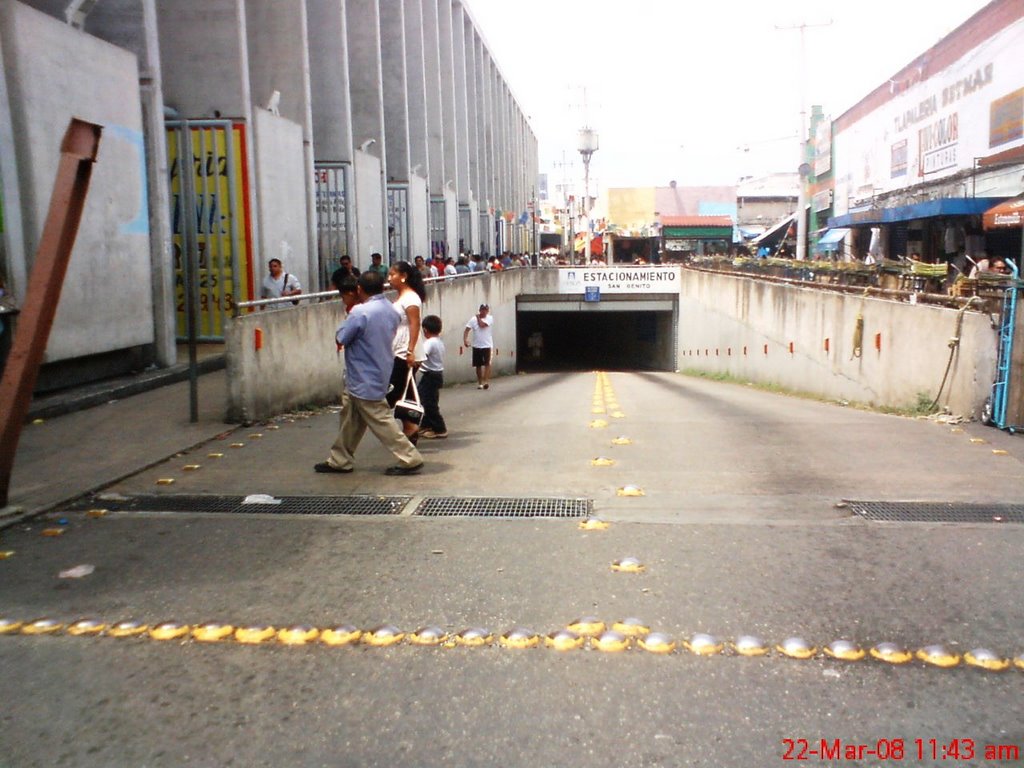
x,y
367,335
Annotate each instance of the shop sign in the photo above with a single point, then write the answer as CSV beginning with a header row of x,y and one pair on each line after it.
x,y
619,280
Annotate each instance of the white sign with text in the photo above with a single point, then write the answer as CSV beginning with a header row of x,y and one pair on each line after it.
x,y
624,279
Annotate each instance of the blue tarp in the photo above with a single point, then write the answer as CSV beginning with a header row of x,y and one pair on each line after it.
x,y
950,206
832,239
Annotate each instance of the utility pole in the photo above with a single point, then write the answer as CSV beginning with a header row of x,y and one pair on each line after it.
x,y
587,146
803,167
533,215
567,203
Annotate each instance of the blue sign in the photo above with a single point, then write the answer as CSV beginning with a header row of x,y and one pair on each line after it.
x,y
592,293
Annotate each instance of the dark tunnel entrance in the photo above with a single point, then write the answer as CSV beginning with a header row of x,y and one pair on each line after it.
x,y
573,335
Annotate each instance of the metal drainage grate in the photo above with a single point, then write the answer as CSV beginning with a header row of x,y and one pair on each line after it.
x,y
498,507
937,512
290,505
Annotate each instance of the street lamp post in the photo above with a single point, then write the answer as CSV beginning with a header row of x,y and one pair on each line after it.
x,y
587,146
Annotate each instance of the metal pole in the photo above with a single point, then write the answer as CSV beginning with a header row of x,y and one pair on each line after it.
x,y
586,209
801,220
536,245
191,252
78,153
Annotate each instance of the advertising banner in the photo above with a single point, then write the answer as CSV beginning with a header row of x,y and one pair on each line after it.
x,y
218,216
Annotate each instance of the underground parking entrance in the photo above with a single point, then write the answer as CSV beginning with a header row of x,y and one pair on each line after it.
x,y
620,332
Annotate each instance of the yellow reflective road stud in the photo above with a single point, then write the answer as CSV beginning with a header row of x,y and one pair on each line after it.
x,y
169,630
255,634
297,635
212,632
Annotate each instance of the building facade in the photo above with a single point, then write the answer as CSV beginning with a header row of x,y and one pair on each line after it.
x,y
236,131
916,163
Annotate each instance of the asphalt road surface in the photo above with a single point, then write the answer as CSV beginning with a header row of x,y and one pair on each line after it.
x,y
741,529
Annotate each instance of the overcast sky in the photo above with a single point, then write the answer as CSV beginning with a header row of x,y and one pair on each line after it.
x,y
697,92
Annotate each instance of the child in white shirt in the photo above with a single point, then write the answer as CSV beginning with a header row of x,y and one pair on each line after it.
x,y
432,379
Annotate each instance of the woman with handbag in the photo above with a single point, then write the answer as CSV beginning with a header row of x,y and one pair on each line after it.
x,y
408,281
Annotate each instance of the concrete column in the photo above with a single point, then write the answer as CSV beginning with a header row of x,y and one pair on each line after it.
x,y
472,99
329,80
459,70
419,160
155,137
279,64
204,57
432,80
330,100
472,138
366,93
449,119
487,146
13,263
395,89
396,123
197,38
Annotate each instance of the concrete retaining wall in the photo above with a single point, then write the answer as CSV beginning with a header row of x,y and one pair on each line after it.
x,y
721,315
725,324
298,365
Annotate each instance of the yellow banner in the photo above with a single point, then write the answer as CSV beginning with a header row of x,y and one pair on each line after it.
x,y
222,234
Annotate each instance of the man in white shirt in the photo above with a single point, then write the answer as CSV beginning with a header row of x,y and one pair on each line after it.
x,y
483,342
279,283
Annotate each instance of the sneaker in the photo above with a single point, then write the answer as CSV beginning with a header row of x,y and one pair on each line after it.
x,y
487,386
479,386
400,470
323,466
429,434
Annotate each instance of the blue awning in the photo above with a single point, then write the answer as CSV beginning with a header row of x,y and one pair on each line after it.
x,y
950,206
832,238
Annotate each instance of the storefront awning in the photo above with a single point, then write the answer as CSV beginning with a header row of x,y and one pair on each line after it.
x,y
1005,215
832,239
697,233
775,233
950,206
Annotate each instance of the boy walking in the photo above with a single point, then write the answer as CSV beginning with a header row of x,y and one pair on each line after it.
x,y
432,426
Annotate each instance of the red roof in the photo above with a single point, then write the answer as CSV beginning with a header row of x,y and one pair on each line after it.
x,y
696,221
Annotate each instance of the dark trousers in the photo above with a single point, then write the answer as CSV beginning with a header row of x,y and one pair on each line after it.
x,y
430,395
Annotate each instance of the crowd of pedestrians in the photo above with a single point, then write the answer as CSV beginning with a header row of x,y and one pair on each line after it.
x,y
385,344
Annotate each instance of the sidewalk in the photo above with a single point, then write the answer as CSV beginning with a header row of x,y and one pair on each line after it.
x,y
210,357
66,456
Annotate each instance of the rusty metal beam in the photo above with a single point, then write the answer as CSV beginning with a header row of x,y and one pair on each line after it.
x,y
77,155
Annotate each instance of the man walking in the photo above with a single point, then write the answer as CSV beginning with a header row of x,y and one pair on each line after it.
x,y
483,342
366,337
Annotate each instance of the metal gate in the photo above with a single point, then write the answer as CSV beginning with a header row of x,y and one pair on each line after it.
x,y
331,183
465,229
398,223
209,221
438,230
485,227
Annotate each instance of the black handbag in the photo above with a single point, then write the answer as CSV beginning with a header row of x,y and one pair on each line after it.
x,y
410,408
